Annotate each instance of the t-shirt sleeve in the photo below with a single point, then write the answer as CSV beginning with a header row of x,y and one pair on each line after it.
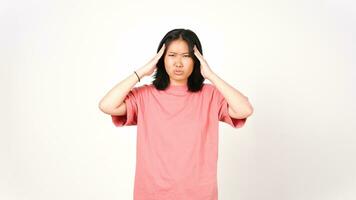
x,y
132,101
223,112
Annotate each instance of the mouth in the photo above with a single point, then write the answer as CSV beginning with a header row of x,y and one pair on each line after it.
x,y
178,72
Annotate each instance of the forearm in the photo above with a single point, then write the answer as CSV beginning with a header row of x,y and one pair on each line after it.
x,y
117,94
237,101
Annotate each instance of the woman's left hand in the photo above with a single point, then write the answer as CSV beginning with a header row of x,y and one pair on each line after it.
x,y
204,67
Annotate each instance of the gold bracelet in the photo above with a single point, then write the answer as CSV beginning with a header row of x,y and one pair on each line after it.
x,y
137,76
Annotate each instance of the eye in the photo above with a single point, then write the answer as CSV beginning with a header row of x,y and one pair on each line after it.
x,y
171,55
186,56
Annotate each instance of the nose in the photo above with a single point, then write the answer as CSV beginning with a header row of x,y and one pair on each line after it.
x,y
178,63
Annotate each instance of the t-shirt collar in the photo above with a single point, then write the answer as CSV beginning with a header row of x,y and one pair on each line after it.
x,y
177,89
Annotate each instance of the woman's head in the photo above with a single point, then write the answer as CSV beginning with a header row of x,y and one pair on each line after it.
x,y
178,64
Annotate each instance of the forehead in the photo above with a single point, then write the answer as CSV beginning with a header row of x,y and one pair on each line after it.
x,y
178,46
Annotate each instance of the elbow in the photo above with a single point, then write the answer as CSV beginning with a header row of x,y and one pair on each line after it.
x,y
103,107
249,108
243,112
247,111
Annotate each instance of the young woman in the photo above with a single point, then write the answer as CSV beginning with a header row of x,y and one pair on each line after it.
x,y
177,120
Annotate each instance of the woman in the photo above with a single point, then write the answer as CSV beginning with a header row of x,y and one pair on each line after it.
x,y
177,120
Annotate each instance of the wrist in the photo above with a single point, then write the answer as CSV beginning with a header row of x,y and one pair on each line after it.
x,y
140,72
137,77
210,75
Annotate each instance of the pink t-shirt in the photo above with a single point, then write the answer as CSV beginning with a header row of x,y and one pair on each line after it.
x,y
177,141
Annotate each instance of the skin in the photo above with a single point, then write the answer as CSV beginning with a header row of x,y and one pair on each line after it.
x,y
177,58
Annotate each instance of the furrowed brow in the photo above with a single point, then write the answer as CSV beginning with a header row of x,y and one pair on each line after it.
x,y
178,53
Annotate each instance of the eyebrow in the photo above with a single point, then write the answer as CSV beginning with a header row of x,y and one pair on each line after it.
x,y
178,53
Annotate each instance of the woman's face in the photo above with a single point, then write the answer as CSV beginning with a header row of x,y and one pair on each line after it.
x,y
178,62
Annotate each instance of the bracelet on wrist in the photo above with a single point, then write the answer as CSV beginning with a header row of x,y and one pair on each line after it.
x,y
137,76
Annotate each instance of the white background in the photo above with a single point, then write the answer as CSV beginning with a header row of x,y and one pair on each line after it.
x,y
295,60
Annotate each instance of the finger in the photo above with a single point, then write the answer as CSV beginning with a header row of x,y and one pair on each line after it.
x,y
196,50
161,51
162,48
197,53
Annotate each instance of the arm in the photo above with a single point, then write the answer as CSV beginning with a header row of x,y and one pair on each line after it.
x,y
113,101
239,106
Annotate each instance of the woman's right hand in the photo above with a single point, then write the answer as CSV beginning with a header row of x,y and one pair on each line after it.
x,y
150,67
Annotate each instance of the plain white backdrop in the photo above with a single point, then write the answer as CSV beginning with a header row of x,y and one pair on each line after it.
x,y
295,60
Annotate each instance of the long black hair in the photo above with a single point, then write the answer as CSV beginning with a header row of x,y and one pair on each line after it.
x,y
195,80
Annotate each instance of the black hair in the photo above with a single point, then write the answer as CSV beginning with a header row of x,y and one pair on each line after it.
x,y
195,80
